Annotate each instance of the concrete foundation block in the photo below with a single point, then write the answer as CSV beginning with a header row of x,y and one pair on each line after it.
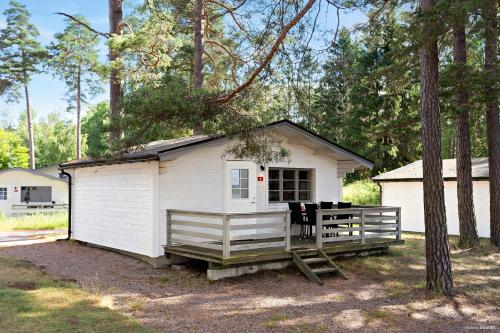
x,y
222,272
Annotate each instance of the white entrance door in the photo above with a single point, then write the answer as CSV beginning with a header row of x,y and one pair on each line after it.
x,y
240,186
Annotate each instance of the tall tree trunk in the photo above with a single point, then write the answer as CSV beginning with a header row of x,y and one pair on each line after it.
x,y
438,263
492,118
198,74
31,136
78,114
116,86
466,216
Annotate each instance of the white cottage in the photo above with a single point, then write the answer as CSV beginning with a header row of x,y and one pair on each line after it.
x,y
121,203
403,187
25,190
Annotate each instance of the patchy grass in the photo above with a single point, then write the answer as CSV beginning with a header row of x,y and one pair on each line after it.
x,y
275,320
163,280
136,305
34,222
402,269
362,192
32,301
308,328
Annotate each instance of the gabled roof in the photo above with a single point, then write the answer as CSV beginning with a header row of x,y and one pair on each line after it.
x,y
159,149
414,171
34,172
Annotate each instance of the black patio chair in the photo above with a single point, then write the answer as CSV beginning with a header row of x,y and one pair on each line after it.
x,y
327,205
311,216
296,216
343,205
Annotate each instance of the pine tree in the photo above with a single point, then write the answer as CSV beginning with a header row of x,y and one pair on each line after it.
x,y
438,264
466,215
74,58
116,81
492,116
20,57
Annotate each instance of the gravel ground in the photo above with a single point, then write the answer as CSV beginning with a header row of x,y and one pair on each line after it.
x,y
168,300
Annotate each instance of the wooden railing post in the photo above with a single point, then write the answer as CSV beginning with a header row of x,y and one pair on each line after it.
x,y
169,228
398,214
226,241
319,229
288,231
362,231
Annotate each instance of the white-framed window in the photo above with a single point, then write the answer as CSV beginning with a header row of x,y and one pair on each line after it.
x,y
286,185
239,183
3,193
36,193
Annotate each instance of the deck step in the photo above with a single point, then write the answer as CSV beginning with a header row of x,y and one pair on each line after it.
x,y
314,260
312,273
322,270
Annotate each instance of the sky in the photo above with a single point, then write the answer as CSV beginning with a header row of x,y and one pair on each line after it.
x,y
47,92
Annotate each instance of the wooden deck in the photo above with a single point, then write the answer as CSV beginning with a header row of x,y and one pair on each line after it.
x,y
229,239
307,247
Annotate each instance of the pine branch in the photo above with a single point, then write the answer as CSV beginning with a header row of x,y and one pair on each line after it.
x,y
279,40
74,19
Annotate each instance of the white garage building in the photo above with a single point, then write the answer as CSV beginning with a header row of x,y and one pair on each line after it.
x,y
403,188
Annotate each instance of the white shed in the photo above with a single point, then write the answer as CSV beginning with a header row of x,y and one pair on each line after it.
x,y
403,188
25,190
121,203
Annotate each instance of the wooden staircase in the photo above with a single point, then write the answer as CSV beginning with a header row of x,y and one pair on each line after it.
x,y
312,265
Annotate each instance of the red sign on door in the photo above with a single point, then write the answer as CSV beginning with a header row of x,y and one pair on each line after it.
x,y
260,178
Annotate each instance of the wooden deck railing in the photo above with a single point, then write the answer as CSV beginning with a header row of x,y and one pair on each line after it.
x,y
229,233
358,223
38,207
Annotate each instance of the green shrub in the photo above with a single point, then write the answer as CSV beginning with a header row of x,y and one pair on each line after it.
x,y
362,192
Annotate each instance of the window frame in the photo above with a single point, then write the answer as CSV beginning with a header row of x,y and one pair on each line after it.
x,y
296,180
4,193
240,187
29,188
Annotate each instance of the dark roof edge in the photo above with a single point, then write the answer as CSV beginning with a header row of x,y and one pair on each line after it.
x,y
215,138
155,156
284,121
34,172
102,161
414,180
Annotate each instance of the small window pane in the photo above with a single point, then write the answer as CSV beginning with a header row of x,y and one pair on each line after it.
x,y
288,174
235,177
303,185
288,185
243,173
244,194
274,196
274,185
288,195
3,193
236,193
244,183
304,195
274,174
304,174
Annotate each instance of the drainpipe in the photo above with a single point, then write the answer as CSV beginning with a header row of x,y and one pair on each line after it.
x,y
380,187
70,183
